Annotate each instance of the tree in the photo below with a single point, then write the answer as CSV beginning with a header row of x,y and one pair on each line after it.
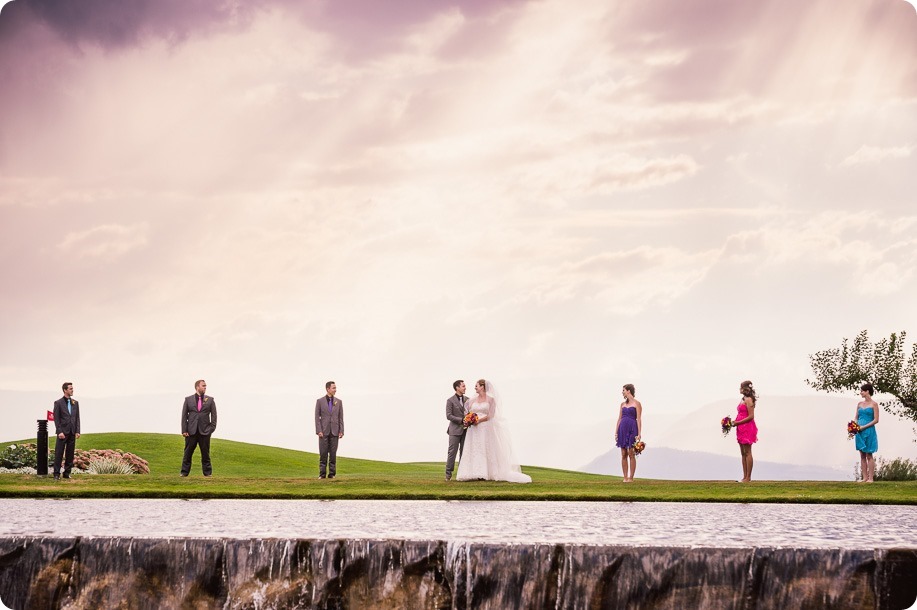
x,y
883,364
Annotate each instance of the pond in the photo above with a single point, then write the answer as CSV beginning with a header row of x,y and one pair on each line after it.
x,y
595,523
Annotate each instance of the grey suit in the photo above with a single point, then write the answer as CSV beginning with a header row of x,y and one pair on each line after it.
x,y
455,413
330,423
199,425
66,422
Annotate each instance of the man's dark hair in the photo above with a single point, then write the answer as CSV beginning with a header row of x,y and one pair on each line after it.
x,y
64,385
328,384
457,383
198,383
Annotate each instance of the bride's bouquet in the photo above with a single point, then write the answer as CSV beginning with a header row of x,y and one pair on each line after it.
x,y
469,420
852,429
639,446
726,425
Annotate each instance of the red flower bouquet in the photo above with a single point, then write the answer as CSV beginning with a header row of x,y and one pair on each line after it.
x,y
639,446
470,419
852,429
727,425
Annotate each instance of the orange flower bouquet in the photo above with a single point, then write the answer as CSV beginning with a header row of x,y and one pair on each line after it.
x,y
852,429
469,420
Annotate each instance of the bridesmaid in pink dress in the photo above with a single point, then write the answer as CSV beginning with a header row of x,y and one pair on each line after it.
x,y
746,429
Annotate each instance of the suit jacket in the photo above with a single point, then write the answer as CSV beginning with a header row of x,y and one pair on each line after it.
x,y
329,423
455,413
68,423
199,422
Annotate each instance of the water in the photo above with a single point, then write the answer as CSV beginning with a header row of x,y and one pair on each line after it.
x,y
592,523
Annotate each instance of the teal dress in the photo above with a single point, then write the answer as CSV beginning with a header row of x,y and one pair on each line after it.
x,y
867,440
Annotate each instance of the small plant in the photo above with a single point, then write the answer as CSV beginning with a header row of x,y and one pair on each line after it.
x,y
109,465
18,456
898,469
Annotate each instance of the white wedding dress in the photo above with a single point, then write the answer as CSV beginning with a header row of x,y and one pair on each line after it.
x,y
488,452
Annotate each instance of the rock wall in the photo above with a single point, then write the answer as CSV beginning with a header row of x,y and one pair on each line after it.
x,y
283,573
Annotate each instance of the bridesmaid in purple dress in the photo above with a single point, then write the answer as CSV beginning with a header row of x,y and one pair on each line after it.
x,y
746,428
628,429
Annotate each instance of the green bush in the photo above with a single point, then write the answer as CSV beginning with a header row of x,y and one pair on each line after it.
x,y
19,456
898,469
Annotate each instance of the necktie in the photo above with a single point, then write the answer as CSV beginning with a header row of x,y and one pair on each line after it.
x,y
198,402
330,405
69,409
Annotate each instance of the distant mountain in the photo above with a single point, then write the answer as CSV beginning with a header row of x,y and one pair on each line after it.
x,y
799,438
677,464
809,430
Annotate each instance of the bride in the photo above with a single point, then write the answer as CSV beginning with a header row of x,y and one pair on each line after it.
x,y
488,453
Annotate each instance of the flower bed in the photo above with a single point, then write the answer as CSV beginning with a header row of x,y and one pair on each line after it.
x,y
25,455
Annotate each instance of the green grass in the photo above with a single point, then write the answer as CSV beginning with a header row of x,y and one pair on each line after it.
x,y
243,470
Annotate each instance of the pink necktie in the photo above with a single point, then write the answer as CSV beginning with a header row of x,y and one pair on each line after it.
x,y
198,402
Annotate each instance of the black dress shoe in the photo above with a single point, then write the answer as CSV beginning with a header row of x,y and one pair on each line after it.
x,y
57,477
321,476
330,476
183,474
66,476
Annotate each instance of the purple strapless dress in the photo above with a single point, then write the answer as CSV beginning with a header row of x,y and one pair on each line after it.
x,y
627,429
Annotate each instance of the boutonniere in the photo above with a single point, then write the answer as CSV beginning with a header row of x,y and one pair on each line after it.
x,y
206,398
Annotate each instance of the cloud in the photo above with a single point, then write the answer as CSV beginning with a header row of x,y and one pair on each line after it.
x,y
108,241
369,191
874,154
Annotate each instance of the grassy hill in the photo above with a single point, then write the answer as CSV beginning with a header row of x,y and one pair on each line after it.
x,y
244,470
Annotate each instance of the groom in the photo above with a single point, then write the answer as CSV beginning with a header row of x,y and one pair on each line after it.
x,y
455,413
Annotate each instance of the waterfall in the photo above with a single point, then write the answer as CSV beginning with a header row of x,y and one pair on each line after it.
x,y
156,573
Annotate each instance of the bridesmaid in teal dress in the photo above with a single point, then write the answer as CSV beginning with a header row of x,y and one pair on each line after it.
x,y
867,441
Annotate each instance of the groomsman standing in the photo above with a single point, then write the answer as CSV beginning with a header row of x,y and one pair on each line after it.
x,y
329,426
67,428
198,421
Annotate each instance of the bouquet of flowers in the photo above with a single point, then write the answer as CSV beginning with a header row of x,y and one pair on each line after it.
x,y
726,424
852,429
470,419
639,446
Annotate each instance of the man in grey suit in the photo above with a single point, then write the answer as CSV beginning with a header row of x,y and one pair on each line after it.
x,y
198,421
455,413
67,430
329,426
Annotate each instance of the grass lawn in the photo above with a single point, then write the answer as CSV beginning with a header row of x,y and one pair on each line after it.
x,y
243,470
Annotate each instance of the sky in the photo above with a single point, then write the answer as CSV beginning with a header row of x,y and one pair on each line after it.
x,y
269,195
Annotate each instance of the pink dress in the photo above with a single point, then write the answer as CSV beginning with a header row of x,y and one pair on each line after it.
x,y
746,433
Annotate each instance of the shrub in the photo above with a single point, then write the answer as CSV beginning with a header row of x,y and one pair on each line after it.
x,y
109,465
898,469
82,459
19,456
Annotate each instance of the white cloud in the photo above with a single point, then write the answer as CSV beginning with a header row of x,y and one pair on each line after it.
x,y
105,241
874,154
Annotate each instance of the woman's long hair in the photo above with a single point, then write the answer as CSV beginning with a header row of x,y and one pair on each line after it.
x,y
748,390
